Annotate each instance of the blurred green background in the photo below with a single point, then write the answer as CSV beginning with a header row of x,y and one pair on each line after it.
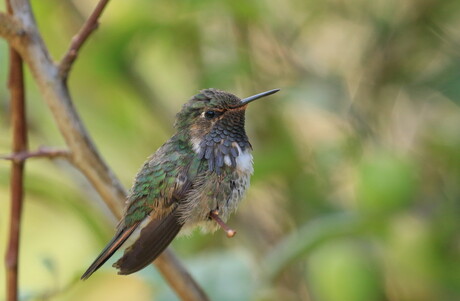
x,y
356,190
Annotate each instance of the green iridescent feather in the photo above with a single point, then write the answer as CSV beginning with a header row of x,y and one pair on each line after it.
x,y
156,182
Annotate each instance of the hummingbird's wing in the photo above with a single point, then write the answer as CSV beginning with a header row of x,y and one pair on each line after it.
x,y
153,240
108,251
160,185
162,228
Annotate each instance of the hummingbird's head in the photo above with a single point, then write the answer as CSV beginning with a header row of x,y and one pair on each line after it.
x,y
214,120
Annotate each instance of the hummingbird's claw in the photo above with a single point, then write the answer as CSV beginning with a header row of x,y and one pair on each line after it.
x,y
214,214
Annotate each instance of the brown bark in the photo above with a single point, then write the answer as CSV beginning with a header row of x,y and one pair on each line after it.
x,y
19,144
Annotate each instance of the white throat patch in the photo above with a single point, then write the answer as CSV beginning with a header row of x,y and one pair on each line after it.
x,y
243,161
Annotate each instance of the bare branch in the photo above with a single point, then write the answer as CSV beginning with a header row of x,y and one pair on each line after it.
x,y
54,90
186,290
79,39
10,28
229,231
42,152
84,154
19,125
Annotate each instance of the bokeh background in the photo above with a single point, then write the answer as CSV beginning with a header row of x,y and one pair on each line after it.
x,y
356,190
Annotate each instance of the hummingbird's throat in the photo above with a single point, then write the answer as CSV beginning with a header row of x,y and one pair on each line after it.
x,y
224,149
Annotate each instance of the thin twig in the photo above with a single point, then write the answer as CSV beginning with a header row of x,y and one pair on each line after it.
x,y
18,121
90,25
229,231
42,152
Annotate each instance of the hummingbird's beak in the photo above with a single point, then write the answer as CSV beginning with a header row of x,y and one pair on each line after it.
x,y
249,99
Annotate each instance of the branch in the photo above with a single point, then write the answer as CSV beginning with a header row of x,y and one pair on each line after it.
x,y
42,152
52,86
18,122
84,154
10,28
90,25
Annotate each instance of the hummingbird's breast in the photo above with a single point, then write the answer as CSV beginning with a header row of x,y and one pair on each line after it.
x,y
221,191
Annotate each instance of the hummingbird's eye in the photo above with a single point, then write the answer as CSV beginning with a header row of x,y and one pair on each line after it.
x,y
210,114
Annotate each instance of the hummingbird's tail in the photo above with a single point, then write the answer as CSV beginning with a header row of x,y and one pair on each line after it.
x,y
108,251
153,240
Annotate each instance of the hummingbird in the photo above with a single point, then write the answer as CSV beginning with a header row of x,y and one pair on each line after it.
x,y
195,179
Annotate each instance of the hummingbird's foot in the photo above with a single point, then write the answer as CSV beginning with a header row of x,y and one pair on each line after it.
x,y
214,214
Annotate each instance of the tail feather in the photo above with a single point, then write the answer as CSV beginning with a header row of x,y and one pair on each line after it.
x,y
109,250
153,240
